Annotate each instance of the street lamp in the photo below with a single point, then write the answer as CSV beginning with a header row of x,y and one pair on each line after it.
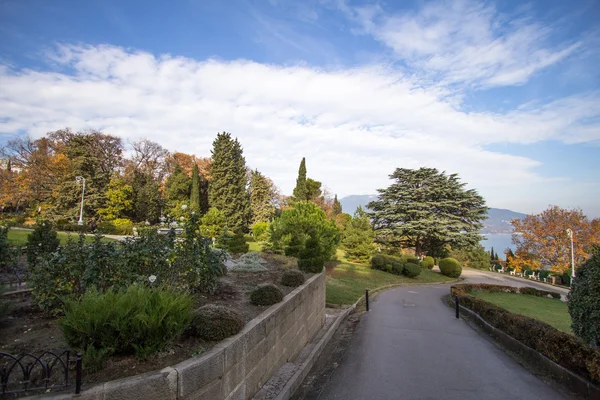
x,y
81,179
570,233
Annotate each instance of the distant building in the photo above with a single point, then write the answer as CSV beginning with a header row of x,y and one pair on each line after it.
x,y
5,162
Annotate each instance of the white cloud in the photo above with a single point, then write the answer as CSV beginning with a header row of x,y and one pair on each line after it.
x,y
355,126
463,41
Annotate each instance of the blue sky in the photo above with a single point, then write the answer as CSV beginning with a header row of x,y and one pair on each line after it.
x,y
505,93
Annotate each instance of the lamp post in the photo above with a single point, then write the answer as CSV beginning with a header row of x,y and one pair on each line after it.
x,y
81,179
570,233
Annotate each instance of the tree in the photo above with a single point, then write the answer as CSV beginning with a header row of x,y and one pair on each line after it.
x,y
118,199
342,220
337,206
195,192
301,191
147,201
212,224
150,157
542,240
313,190
359,236
227,189
584,300
302,222
178,186
262,198
473,257
427,210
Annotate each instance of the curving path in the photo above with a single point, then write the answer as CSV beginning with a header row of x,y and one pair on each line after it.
x,y
410,346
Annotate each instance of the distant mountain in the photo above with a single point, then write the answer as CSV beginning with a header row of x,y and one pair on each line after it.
x,y
498,219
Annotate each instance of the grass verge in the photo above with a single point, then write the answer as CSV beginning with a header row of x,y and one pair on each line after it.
x,y
347,281
551,311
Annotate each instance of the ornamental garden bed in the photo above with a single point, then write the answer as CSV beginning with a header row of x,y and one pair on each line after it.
x,y
29,330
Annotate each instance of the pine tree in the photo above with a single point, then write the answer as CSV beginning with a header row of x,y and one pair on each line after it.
x,y
337,206
427,210
262,196
195,193
178,185
301,191
359,236
227,190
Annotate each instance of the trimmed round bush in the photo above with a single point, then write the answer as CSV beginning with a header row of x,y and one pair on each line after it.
x,y
397,268
266,294
215,322
427,263
411,270
378,262
293,278
412,260
450,267
584,300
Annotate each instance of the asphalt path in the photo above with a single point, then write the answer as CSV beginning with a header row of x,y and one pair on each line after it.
x,y
410,346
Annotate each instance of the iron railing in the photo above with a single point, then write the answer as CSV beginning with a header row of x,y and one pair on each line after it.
x,y
28,372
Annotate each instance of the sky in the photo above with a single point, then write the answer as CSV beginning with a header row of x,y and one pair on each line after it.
x,y
504,93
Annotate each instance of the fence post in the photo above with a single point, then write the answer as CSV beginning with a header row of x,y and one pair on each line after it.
x,y
456,305
78,373
367,298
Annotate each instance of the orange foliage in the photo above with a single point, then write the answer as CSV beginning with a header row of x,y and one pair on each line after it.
x,y
542,239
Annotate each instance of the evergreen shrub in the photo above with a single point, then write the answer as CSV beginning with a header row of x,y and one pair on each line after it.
x,y
450,267
584,301
140,320
427,263
43,240
411,270
266,295
292,278
215,322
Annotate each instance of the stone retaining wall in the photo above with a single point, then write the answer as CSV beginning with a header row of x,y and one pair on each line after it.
x,y
237,367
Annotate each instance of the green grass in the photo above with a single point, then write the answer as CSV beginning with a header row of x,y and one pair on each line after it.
x,y
347,281
19,237
551,311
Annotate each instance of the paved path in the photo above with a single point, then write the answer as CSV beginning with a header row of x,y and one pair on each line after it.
x,y
410,346
495,278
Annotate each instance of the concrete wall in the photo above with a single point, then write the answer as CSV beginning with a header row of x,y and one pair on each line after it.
x,y
237,367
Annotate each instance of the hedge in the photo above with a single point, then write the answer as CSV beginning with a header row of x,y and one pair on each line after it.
x,y
484,287
562,348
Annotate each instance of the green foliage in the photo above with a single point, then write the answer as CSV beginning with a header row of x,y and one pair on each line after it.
x,y
584,300
178,186
43,240
450,267
411,259
223,240
411,270
293,278
358,237
119,226
212,223
427,263
237,244
313,189
147,201
473,257
300,223
262,198
342,221
195,192
384,262
5,253
140,320
215,322
227,189
427,210
4,304
265,295
118,199
301,191
337,206
260,230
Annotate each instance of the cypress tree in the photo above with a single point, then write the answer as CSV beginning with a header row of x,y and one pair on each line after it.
x,y
195,193
337,206
261,198
204,204
301,191
492,254
227,190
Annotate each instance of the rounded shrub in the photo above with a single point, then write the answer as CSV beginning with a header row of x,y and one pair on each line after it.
x,y
397,268
427,263
292,278
450,267
584,300
215,322
411,270
378,262
412,260
265,295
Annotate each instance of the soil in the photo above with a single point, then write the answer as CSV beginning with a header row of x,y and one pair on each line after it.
x,y
28,330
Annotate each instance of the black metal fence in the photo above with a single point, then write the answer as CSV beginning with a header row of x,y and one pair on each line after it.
x,y
28,372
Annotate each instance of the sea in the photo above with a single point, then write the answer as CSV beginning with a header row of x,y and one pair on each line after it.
x,y
499,241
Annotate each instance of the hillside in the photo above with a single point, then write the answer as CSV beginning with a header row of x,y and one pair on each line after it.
x,y
498,218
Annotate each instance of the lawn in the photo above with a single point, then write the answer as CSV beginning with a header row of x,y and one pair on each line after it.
x,y
347,281
551,311
19,237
